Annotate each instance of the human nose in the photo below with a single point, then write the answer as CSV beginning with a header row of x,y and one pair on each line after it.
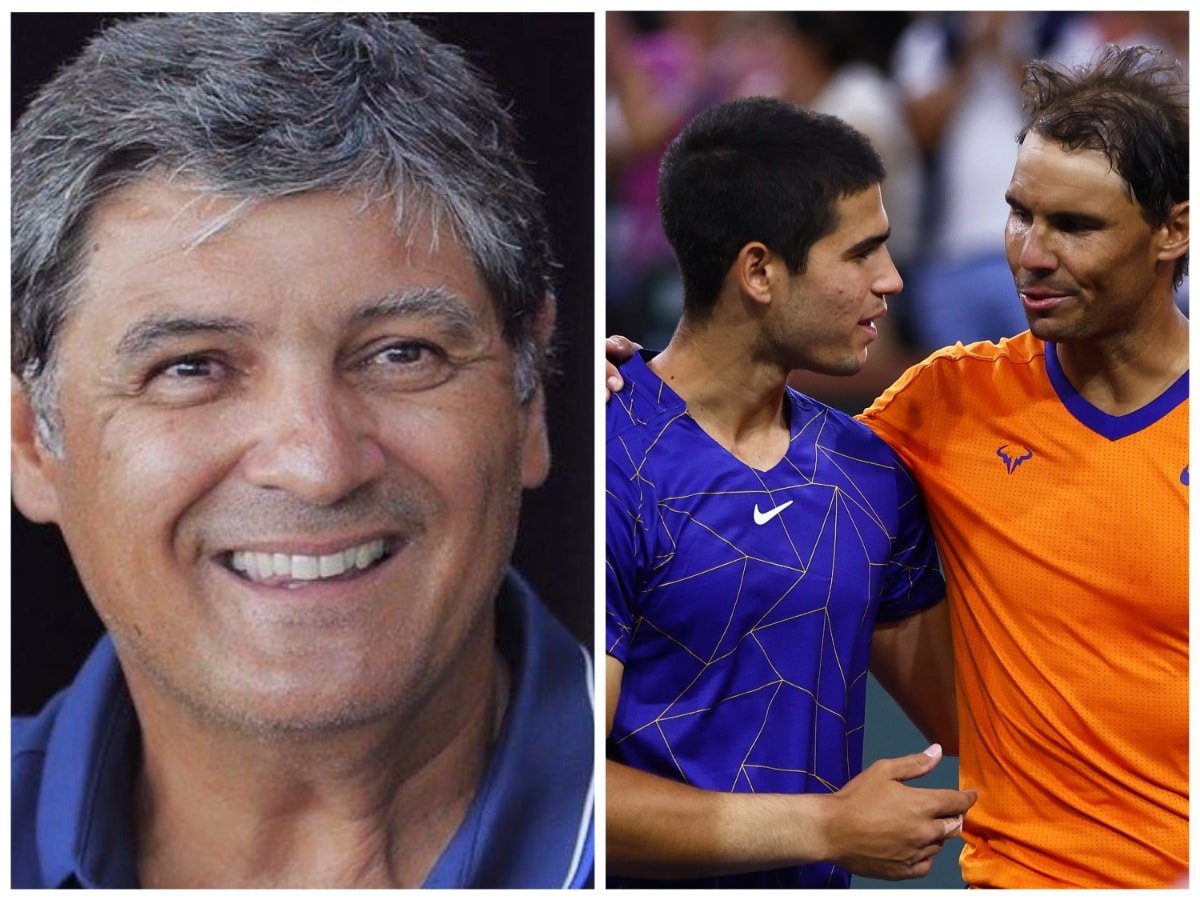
x,y
888,281
313,440
1034,253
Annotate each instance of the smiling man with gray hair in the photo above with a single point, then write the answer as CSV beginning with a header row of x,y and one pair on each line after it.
x,y
281,310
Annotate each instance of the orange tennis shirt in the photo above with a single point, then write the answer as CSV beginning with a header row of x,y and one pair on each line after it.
x,y
1063,535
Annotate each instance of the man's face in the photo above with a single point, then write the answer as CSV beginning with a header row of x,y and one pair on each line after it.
x,y
292,455
829,319
1082,255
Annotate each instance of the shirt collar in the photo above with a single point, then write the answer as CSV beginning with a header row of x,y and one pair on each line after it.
x,y
1105,424
538,783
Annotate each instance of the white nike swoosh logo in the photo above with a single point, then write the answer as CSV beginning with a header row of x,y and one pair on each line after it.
x,y
762,518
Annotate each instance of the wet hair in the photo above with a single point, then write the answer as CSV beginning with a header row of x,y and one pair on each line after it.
x,y
756,169
1129,104
260,106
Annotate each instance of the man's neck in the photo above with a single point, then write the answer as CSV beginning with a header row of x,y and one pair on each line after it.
x,y
731,389
1121,374
371,806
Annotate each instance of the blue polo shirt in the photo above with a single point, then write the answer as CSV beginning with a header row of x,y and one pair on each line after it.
x,y
530,824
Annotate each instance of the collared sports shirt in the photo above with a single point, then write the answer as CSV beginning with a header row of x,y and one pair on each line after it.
x,y
741,602
1063,532
530,824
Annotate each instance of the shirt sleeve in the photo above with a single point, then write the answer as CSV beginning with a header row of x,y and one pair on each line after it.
x,y
914,575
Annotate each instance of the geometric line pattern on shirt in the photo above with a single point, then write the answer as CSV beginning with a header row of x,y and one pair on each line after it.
x,y
848,511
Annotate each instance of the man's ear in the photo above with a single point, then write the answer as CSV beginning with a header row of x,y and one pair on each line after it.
x,y
535,445
1175,233
754,270
34,468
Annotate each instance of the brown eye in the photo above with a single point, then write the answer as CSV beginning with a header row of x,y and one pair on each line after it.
x,y
191,367
404,354
408,365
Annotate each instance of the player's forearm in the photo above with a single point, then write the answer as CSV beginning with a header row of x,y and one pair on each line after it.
x,y
658,828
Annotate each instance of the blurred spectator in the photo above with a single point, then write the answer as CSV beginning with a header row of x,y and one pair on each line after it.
x,y
658,77
961,74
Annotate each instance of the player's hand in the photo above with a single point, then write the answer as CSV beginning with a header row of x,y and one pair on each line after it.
x,y
881,829
617,349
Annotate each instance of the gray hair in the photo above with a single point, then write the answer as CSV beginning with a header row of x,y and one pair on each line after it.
x,y
256,106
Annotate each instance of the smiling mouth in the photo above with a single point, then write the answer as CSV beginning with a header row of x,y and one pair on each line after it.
x,y
276,569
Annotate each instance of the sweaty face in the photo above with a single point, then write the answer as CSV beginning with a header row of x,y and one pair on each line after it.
x,y
829,320
1083,257
292,455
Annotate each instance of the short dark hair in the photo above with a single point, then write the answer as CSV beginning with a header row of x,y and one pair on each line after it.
x,y
756,169
1129,104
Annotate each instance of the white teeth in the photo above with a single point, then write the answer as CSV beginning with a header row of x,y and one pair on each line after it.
x,y
332,565
264,566
365,555
306,568
264,561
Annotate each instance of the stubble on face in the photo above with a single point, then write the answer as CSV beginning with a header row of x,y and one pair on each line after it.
x,y
1080,250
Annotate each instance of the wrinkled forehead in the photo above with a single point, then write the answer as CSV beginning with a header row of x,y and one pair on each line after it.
x,y
156,242
154,226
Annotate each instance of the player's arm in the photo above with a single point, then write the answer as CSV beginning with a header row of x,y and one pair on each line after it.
x,y
914,661
874,826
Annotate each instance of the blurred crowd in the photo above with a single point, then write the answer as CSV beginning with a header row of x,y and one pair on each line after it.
x,y
938,93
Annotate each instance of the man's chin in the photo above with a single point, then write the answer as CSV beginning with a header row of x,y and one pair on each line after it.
x,y
312,696
842,368
294,714
1048,329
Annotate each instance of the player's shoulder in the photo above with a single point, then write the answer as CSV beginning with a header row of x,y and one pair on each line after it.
x,y
962,369
1020,350
641,413
836,430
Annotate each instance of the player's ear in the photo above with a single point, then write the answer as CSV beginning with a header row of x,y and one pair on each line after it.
x,y
753,271
1174,243
34,468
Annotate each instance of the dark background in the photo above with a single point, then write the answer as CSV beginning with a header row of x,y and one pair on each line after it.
x,y
544,64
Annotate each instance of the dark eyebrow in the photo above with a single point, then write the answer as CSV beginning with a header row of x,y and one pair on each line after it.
x,y
1012,201
867,243
145,334
438,303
